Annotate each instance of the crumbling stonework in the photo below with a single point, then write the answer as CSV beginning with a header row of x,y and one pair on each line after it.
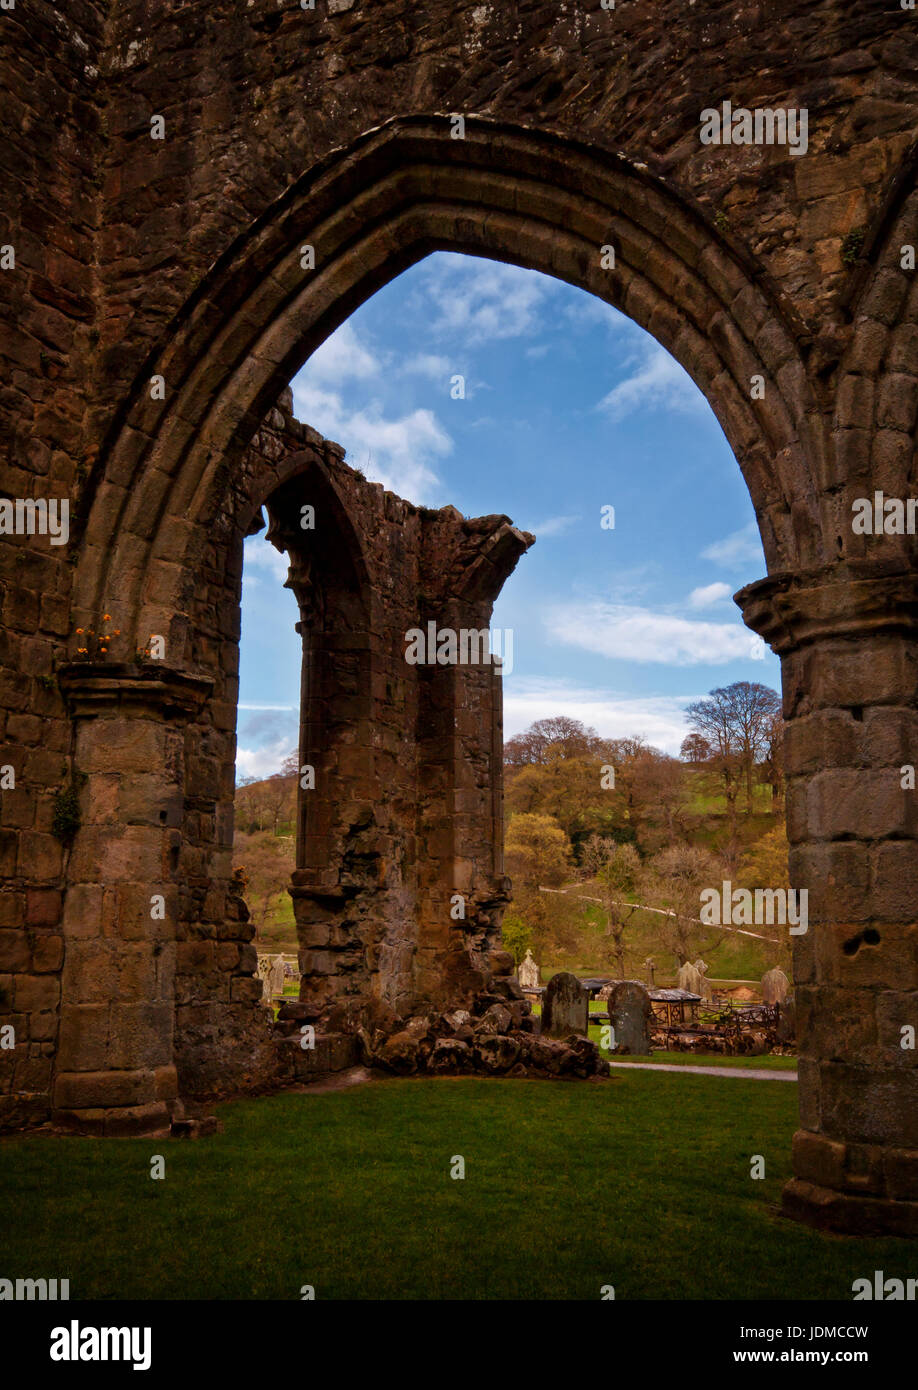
x,y
156,306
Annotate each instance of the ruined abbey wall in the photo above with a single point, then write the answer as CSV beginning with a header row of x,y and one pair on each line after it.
x,y
169,167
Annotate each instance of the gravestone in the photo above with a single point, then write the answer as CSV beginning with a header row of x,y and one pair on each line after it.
x,y
775,985
705,990
786,1027
277,976
264,974
565,1007
528,973
631,1016
688,978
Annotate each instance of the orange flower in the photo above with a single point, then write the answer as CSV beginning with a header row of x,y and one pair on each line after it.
x,y
103,649
81,649
106,617
79,630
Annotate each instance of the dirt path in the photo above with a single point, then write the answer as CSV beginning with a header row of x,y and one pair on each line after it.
x,y
757,1073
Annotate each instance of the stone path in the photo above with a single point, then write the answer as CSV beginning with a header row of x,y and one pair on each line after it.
x,y
757,1073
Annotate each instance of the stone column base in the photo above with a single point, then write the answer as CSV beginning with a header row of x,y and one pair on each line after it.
x,y
845,1214
115,1102
121,1120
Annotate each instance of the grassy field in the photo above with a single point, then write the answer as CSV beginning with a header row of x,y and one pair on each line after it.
x,y
642,1182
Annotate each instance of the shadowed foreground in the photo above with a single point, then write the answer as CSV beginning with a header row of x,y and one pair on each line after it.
x,y
642,1183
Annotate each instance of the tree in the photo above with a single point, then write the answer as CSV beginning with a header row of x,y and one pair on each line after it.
x,y
676,877
755,707
695,749
279,797
575,791
616,868
765,865
536,855
516,936
714,720
772,764
536,851
568,738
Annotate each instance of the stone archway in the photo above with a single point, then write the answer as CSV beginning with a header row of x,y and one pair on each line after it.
x,y
160,520
551,205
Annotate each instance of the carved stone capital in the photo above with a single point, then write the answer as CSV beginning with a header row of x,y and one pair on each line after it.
x,y
140,692
851,599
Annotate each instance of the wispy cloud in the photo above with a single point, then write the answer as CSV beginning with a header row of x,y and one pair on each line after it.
x,y
709,594
630,633
554,526
399,452
737,550
658,381
272,707
485,300
260,554
432,365
342,357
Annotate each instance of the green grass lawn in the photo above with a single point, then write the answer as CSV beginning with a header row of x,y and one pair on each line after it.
x,y
641,1182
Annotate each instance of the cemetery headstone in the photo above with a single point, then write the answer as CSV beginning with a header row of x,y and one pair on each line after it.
x,y
631,1016
565,1006
705,991
688,978
528,973
264,974
775,985
277,975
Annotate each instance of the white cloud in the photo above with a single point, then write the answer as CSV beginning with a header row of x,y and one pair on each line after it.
x,y
259,553
660,719
430,364
397,452
554,526
627,633
659,382
709,594
342,356
485,300
262,762
262,707
737,550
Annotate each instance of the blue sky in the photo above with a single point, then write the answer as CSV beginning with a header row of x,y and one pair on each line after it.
x,y
568,407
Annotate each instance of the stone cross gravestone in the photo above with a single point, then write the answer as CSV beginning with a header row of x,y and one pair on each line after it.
x,y
528,973
631,1016
775,985
565,1006
264,974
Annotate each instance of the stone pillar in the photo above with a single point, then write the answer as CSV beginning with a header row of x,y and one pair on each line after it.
x,y
848,642
115,1072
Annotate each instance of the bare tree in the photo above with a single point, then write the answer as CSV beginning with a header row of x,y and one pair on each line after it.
x,y
616,869
772,763
677,876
